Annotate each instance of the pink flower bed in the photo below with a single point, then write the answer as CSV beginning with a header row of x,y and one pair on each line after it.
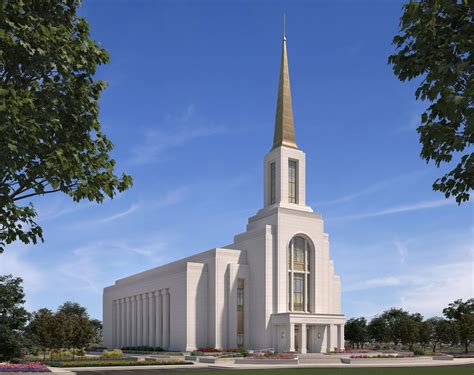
x,y
350,350
24,367
374,356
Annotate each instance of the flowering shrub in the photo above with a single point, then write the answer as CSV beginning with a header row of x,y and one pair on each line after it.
x,y
354,351
209,350
264,354
374,356
118,363
24,367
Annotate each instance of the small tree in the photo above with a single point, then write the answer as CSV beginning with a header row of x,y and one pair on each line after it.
x,y
13,317
41,328
424,334
408,331
461,314
78,330
355,331
378,330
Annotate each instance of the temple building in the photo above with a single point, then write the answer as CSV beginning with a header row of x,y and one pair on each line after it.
x,y
273,287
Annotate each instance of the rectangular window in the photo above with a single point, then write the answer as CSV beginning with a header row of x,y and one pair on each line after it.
x,y
290,294
272,183
292,181
298,291
240,312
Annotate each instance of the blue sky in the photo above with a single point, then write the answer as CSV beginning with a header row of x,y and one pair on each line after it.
x,y
190,108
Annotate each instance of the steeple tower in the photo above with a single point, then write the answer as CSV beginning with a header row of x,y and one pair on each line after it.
x,y
284,124
285,164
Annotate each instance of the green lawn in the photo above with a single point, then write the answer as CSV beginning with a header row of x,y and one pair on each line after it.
x,y
341,371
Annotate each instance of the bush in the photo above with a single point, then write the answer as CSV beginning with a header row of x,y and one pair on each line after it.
x,y
418,351
116,353
142,348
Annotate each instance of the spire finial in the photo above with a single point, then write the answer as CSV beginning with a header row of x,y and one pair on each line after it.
x,y
284,125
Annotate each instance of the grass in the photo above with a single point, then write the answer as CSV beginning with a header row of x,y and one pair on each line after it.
x,y
315,371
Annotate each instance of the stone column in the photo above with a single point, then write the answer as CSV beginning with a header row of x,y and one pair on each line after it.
x,y
134,322
340,339
303,348
128,341
166,319
139,320
124,322
158,319
291,337
329,333
145,319
151,320
114,323
119,324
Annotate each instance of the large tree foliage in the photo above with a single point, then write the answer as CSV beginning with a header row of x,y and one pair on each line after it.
x,y
50,135
13,317
436,44
461,314
355,331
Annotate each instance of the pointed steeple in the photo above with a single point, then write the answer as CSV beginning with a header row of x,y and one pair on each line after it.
x,y
284,125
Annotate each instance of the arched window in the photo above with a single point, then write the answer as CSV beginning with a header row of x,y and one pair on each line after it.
x,y
299,275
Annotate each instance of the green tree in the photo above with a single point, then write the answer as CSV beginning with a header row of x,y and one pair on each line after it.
x,y
97,331
435,44
462,315
13,317
378,330
77,326
42,329
408,331
439,331
355,331
50,135
425,331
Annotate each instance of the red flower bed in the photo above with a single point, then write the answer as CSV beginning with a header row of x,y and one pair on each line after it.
x,y
24,367
209,350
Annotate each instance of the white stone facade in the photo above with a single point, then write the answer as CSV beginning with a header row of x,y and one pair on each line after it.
x,y
252,293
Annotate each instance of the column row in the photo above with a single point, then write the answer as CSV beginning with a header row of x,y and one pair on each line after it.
x,y
142,320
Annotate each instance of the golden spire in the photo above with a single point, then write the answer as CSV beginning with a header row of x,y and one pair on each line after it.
x,y
284,124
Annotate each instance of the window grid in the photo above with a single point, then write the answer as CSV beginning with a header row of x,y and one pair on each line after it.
x,y
240,312
292,181
272,183
299,275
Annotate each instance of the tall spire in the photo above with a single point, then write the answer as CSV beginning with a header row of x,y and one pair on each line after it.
x,y
284,124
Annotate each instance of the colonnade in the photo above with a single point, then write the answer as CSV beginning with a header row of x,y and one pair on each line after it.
x,y
142,320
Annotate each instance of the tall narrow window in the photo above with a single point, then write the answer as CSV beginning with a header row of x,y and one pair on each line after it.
x,y
299,279
272,183
292,181
240,313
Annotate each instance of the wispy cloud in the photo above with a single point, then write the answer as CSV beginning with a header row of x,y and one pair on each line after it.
x,y
402,250
175,131
172,197
134,207
378,186
373,283
399,209
116,254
